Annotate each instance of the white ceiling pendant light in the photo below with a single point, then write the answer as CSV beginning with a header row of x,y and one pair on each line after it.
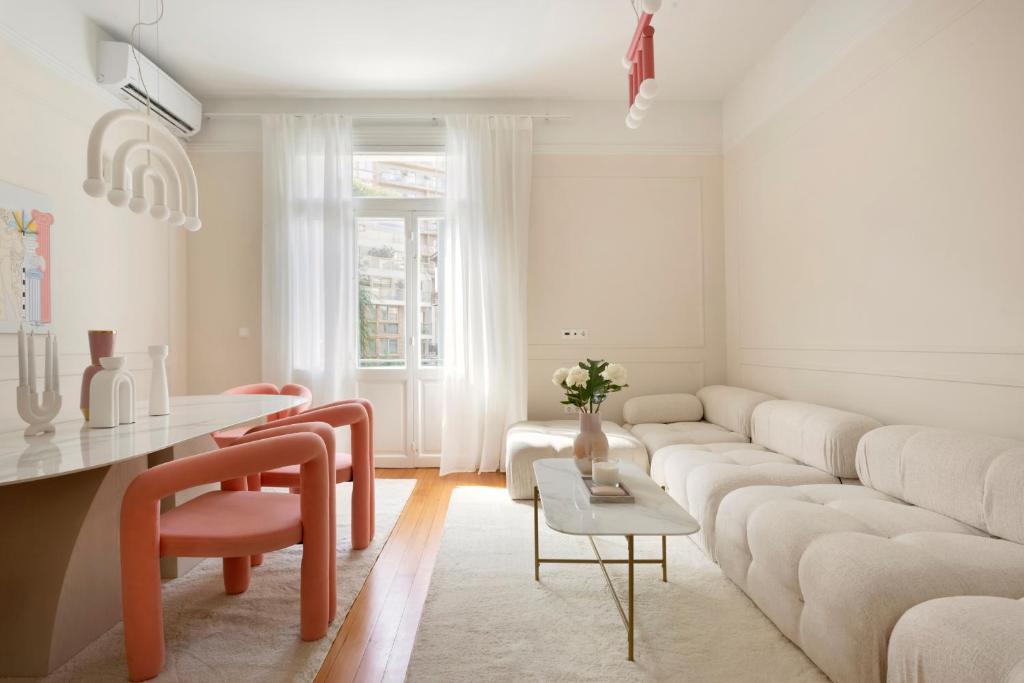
x,y
639,62
175,193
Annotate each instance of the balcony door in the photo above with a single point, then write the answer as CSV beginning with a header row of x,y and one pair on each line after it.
x,y
400,326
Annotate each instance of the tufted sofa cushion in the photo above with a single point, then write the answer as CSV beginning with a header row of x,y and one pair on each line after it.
x,y
663,408
974,478
699,480
658,436
669,453
814,435
951,640
799,440
731,407
845,625
836,566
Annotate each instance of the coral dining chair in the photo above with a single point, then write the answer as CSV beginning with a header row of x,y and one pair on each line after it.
x,y
227,437
232,523
356,467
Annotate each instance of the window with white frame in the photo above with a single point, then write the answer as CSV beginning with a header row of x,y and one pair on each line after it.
x,y
399,221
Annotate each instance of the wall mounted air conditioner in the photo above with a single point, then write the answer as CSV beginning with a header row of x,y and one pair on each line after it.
x,y
120,74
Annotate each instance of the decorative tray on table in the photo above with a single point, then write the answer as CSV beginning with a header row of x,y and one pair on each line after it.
x,y
598,496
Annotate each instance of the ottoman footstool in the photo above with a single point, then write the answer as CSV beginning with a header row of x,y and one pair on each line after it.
x,y
528,441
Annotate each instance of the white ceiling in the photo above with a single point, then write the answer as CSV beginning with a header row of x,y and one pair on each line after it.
x,y
448,48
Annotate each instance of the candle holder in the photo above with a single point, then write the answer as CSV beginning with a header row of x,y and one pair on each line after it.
x,y
38,411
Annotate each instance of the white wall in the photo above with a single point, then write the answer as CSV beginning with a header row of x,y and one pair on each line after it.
x,y
873,214
638,212
628,247
111,268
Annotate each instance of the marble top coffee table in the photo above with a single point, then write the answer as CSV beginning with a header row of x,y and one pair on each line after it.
x,y
568,510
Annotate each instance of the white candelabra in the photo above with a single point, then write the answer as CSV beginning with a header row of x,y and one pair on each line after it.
x,y
38,412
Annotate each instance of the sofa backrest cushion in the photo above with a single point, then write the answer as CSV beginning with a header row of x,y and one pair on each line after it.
x,y
815,435
731,407
663,408
974,478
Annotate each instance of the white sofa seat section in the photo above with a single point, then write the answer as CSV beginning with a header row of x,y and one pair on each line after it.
x,y
657,436
529,441
835,566
665,422
952,640
668,453
807,444
699,481
662,420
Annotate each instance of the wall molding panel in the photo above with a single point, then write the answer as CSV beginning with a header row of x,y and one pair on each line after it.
x,y
873,224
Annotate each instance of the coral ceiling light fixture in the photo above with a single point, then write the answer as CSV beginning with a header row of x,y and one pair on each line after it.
x,y
639,62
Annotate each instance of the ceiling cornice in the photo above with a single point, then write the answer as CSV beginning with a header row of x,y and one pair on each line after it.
x,y
55,64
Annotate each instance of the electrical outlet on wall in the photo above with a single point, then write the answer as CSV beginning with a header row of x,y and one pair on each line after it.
x,y
574,333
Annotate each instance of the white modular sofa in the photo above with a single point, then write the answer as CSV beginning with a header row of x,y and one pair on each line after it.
x,y
952,640
526,442
835,567
793,443
716,419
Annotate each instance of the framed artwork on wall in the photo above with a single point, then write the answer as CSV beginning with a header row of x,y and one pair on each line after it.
x,y
25,268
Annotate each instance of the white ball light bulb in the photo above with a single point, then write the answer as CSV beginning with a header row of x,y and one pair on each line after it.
x,y
651,6
117,197
159,212
176,218
138,205
637,113
649,89
632,123
94,187
192,224
626,64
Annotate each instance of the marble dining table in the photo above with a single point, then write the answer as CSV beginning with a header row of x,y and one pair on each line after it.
x,y
60,499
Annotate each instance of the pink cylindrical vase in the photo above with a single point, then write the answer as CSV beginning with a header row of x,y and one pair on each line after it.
x,y
591,443
101,345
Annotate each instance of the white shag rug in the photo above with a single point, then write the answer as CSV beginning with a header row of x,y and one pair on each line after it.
x,y
486,619
254,636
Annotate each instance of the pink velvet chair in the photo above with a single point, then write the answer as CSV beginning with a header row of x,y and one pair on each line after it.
x,y
232,523
227,437
356,467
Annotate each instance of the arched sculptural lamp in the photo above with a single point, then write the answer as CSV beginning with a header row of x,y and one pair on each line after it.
x,y
175,195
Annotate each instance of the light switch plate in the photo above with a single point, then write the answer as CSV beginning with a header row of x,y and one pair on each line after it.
x,y
574,333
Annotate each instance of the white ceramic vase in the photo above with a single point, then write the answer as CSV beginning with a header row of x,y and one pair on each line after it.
x,y
590,444
159,396
112,395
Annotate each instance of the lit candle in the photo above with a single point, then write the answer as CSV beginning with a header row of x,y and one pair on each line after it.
x,y
606,473
48,364
21,357
32,362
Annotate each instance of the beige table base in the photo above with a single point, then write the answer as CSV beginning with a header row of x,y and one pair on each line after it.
x,y
60,573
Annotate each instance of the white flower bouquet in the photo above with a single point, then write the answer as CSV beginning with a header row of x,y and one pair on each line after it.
x,y
588,384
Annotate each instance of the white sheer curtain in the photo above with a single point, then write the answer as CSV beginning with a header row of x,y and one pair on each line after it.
x,y
308,297
483,290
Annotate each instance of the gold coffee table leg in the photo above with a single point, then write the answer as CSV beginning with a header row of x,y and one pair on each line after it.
x,y
664,560
631,625
536,537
